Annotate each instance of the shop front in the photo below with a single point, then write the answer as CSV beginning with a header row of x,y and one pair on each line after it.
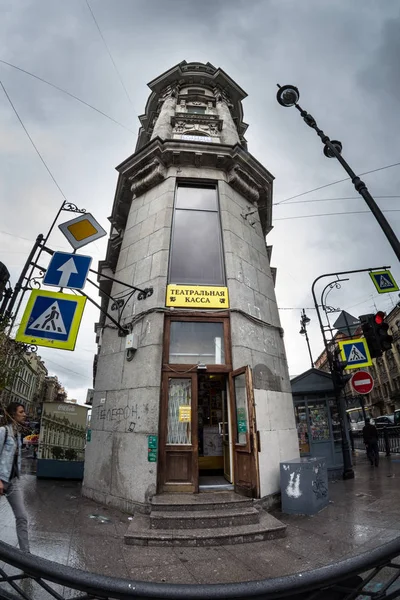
x,y
207,423
317,419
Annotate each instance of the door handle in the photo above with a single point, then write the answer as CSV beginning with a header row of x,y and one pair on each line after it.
x,y
220,428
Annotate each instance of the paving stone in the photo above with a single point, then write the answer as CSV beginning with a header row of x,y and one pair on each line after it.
x,y
176,573
363,515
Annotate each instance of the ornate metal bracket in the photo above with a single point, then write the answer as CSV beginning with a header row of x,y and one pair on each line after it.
x,y
119,304
69,207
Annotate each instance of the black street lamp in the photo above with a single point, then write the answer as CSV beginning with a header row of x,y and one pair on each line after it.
x,y
289,95
304,321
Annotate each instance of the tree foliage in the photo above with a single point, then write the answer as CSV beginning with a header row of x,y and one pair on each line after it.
x,y
10,356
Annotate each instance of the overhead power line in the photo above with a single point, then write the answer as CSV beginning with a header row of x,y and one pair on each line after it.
x,y
56,87
321,187
66,369
32,142
332,199
355,212
109,53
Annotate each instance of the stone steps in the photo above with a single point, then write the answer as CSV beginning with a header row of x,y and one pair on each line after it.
x,y
203,519
201,502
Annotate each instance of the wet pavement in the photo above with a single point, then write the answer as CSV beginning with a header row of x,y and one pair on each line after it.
x,y
363,513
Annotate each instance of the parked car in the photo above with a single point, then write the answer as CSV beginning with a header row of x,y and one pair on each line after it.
x,y
384,421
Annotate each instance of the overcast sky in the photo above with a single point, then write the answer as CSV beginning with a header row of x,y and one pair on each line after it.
x,y
344,56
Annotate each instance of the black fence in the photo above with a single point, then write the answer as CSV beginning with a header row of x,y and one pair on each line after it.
x,y
389,440
372,575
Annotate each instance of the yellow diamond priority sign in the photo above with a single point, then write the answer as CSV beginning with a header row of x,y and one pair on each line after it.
x,y
82,230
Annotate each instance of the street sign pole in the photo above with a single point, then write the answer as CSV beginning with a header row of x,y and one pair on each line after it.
x,y
19,285
348,472
65,206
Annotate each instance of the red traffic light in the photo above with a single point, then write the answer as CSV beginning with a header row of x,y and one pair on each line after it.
x,y
379,317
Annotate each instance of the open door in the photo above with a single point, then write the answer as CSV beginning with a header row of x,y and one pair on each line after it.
x,y
224,432
178,468
244,433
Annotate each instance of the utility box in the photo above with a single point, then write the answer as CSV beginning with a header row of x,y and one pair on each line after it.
x,y
304,486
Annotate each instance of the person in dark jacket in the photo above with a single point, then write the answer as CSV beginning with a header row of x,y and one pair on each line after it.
x,y
370,436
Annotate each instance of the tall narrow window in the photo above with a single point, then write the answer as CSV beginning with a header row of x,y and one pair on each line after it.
x,y
196,247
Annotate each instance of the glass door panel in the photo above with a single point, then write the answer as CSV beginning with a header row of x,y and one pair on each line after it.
x,y
179,428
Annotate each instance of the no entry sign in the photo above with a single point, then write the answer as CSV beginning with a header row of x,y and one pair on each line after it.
x,y
362,382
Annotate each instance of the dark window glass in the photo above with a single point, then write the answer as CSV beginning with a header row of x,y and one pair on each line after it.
x,y
194,342
196,247
196,110
191,197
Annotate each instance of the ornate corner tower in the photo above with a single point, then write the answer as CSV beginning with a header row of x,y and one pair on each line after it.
x,y
201,397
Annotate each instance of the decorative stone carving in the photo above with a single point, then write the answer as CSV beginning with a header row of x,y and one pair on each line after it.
x,y
181,126
147,177
222,96
244,184
213,128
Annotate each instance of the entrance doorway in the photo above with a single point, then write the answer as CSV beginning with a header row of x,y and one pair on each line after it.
x,y
214,447
208,433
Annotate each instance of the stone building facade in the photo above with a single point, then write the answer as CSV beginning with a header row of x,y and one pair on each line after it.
x,y
203,392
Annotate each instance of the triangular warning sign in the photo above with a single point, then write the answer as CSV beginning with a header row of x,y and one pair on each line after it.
x,y
384,282
50,320
355,355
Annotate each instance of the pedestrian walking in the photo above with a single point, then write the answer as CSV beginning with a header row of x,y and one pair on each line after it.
x,y
370,436
10,469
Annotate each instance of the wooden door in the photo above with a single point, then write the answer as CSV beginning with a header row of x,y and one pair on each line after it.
x,y
178,467
245,449
225,434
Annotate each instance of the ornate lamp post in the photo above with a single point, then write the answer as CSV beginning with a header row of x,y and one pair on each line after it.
x,y
304,321
289,95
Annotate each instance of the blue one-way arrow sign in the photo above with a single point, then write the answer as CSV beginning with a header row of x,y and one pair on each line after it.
x,y
68,270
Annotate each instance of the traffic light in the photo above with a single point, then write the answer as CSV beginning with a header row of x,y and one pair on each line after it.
x,y
376,334
368,326
382,328
339,376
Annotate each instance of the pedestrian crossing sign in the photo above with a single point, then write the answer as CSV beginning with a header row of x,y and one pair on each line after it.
x,y
384,281
355,353
51,319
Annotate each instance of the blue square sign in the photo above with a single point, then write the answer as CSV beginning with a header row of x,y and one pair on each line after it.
x,y
68,270
356,353
384,281
51,319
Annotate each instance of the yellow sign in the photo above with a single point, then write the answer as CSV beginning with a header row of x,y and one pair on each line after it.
x,y
384,281
185,414
197,296
355,353
51,319
82,230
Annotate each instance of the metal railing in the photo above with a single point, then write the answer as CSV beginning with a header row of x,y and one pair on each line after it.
x,y
388,440
374,575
